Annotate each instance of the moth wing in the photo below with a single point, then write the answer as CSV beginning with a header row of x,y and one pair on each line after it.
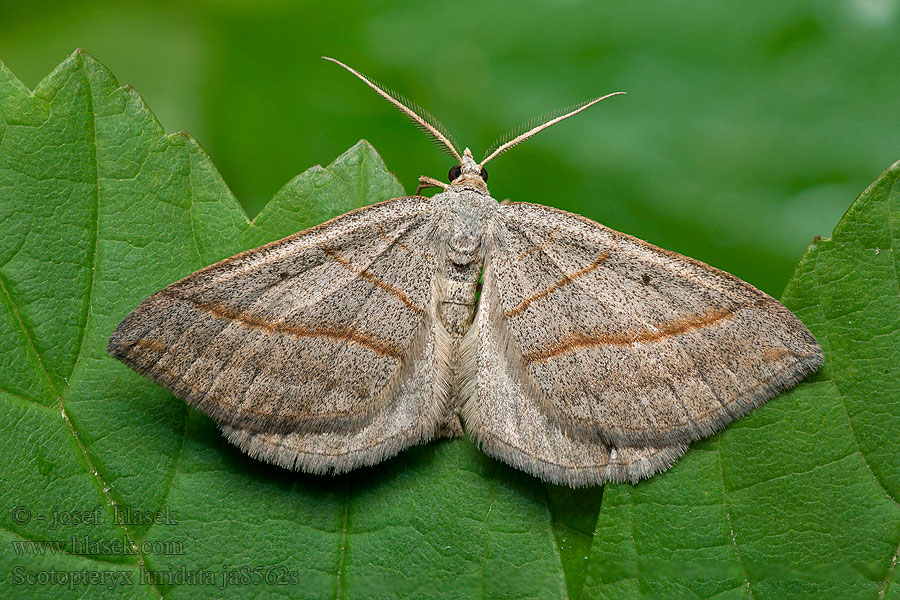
x,y
314,333
412,417
631,344
506,418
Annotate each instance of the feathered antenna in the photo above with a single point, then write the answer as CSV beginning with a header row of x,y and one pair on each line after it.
x,y
536,125
416,114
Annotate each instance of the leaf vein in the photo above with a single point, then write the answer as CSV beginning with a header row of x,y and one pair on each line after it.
x,y
29,336
177,465
737,552
840,392
25,399
887,580
105,490
64,551
95,229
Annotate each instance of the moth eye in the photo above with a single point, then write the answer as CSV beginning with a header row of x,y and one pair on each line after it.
x,y
455,172
483,174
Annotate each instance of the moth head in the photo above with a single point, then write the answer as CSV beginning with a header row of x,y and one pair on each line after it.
x,y
466,171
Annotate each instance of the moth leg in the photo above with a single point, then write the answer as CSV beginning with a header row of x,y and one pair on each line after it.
x,y
426,182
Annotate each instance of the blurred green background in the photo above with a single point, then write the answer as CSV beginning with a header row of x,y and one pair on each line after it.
x,y
748,128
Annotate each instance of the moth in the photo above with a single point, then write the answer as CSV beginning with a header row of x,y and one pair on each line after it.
x,y
566,349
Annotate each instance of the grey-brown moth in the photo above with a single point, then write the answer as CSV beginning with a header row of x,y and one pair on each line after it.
x,y
571,351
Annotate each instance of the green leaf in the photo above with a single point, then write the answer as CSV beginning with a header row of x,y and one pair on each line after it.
x,y
113,488
800,499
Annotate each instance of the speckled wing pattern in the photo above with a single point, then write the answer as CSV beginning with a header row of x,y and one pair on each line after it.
x,y
503,411
316,352
618,353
